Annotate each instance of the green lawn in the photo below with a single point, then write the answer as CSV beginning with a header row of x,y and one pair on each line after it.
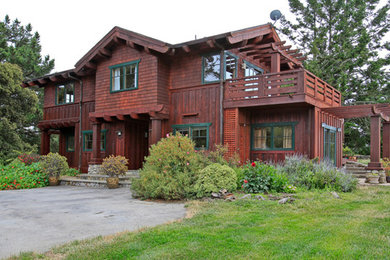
x,y
316,225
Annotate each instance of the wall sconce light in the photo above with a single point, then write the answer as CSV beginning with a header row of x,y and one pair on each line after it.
x,y
119,133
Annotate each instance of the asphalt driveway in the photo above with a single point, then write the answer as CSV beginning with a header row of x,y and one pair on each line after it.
x,y
38,219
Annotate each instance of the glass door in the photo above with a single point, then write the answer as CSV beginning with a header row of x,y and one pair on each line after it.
x,y
330,145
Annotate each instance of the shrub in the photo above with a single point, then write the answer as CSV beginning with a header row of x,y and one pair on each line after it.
x,y
259,177
114,165
28,159
311,175
170,170
71,172
54,164
239,176
214,178
220,155
18,175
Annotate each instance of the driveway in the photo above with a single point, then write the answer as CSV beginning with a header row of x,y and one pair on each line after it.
x,y
38,219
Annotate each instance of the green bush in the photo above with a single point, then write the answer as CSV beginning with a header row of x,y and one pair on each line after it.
x,y
239,177
71,172
54,164
311,175
170,170
259,177
214,178
219,155
18,175
114,165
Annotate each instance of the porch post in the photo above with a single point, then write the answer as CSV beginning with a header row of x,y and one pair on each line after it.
x,y
386,140
375,143
45,141
275,62
155,134
96,128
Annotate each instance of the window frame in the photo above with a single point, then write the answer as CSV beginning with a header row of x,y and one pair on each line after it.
x,y
203,66
272,125
191,128
67,143
122,66
56,93
227,53
331,130
87,132
250,65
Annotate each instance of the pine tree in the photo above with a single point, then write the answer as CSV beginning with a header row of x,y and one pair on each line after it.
x,y
344,41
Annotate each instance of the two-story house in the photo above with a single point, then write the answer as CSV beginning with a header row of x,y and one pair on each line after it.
x,y
245,89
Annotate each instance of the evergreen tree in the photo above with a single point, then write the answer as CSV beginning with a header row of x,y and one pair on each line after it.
x,y
15,102
21,46
344,41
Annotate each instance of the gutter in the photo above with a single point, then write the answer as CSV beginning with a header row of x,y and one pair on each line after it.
x,y
80,118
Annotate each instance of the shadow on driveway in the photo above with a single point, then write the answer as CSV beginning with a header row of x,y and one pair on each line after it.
x,y
38,219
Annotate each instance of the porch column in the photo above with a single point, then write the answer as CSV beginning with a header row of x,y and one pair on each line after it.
x,y
386,140
375,143
155,134
275,62
77,148
96,128
45,141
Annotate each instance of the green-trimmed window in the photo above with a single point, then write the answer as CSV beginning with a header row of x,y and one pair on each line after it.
x,y
65,93
69,143
230,66
124,76
88,139
273,136
198,132
330,148
211,68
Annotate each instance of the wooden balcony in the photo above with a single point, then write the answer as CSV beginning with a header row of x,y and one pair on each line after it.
x,y
295,86
60,112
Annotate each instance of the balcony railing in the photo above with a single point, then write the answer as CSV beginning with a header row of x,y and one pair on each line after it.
x,y
256,89
61,112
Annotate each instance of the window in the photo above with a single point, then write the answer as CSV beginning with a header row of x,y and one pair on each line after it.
x,y
88,139
124,76
65,93
211,68
198,132
330,143
230,66
273,136
70,143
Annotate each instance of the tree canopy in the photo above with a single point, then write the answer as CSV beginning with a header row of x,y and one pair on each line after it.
x,y
20,108
345,45
15,103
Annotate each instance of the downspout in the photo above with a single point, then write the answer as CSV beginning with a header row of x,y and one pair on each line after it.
x,y
221,94
80,118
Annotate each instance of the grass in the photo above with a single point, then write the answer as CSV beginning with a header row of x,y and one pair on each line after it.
x,y
316,225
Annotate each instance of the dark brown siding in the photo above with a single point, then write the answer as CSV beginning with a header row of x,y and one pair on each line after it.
x,y
144,96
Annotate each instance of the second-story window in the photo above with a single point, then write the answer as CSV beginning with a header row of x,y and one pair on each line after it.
x,y
65,93
211,68
124,76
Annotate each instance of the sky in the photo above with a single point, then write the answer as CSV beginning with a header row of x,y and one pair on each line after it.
x,y
69,29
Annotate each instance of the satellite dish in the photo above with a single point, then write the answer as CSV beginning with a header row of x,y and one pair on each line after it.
x,y
275,15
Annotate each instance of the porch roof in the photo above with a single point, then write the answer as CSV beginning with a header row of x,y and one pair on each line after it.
x,y
58,123
153,112
382,110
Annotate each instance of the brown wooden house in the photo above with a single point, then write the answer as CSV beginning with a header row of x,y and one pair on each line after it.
x,y
245,89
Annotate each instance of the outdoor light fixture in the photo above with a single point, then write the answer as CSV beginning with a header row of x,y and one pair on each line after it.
x,y
119,133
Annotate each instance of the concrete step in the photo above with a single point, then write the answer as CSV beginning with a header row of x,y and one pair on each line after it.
x,y
76,181
103,177
356,170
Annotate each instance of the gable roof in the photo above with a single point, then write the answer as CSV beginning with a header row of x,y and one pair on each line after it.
x,y
258,42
